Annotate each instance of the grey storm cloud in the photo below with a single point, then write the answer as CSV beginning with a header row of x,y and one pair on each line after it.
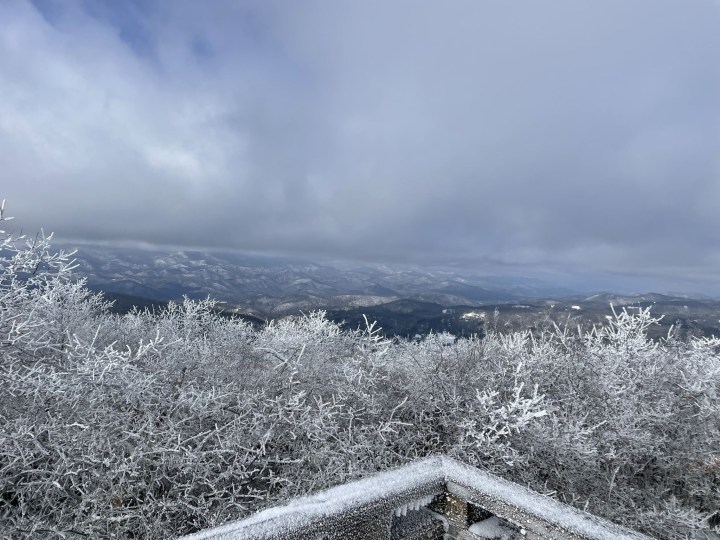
x,y
564,133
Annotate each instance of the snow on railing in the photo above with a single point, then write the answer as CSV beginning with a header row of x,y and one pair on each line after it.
x,y
436,497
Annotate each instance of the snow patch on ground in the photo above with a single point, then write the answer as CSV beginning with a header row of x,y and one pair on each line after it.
x,y
491,528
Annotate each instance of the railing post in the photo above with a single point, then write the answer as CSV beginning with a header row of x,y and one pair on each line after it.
x,y
455,511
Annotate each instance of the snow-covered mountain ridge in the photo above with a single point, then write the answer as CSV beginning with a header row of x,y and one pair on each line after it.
x,y
277,285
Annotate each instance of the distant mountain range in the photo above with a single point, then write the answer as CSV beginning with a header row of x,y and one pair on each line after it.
x,y
274,286
405,301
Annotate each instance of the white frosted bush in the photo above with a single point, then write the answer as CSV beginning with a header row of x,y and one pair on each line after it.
x,y
157,424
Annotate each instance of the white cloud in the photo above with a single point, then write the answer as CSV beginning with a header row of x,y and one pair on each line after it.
x,y
561,133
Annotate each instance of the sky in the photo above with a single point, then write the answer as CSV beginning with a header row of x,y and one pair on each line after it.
x,y
570,138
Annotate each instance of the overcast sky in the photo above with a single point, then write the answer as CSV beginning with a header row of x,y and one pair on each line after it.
x,y
533,135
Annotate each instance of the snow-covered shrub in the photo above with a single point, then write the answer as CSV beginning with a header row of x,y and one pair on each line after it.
x,y
158,424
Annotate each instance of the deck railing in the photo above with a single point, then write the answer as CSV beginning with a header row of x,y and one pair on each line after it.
x,y
433,498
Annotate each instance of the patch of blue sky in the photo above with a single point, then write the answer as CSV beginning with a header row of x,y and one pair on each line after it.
x,y
51,10
131,21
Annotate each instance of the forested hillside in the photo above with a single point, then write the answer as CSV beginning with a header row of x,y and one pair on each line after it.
x,y
150,425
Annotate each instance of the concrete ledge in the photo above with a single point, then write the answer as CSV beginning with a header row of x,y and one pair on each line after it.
x,y
364,509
